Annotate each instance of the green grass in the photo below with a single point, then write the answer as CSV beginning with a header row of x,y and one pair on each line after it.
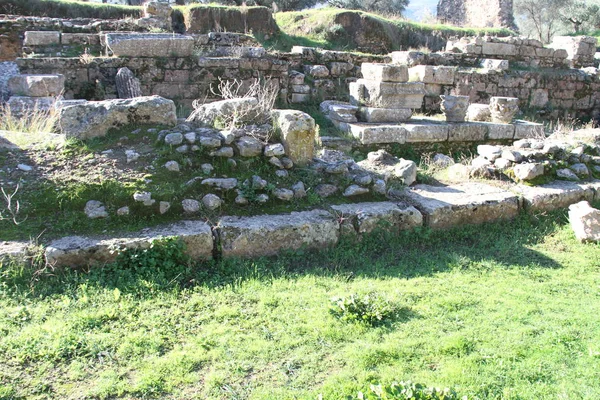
x,y
68,9
502,311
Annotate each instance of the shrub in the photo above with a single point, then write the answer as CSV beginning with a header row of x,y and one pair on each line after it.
x,y
371,309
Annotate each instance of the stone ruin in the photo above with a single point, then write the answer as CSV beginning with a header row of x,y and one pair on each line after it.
x,y
477,14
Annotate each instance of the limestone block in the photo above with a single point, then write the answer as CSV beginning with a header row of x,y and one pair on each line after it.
x,y
553,196
377,115
461,204
385,72
244,108
344,113
149,44
36,85
479,112
371,216
316,71
499,131
467,132
76,251
387,94
526,129
528,171
585,222
424,132
340,68
441,75
381,133
499,49
269,234
409,58
41,38
95,118
80,38
297,131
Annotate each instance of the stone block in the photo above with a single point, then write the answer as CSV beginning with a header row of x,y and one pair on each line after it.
x,y
385,72
91,39
499,131
386,94
526,129
408,58
467,203
367,217
499,49
297,132
377,133
441,75
36,85
467,132
376,115
41,38
553,196
149,44
268,235
585,222
343,113
426,132
76,251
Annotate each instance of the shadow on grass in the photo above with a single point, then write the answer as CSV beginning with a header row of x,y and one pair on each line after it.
x,y
380,254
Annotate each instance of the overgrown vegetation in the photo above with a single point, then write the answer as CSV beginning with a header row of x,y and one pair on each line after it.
x,y
505,310
68,9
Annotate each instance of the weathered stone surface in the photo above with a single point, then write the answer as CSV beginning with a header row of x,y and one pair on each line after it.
x,y
355,190
36,85
190,206
95,118
76,251
499,131
467,203
149,44
94,209
425,131
440,75
467,132
388,166
442,160
479,112
525,129
499,49
269,234
489,152
316,71
273,150
503,109
528,171
367,217
454,107
344,113
385,72
373,134
212,201
20,105
379,115
221,183
128,86
297,131
387,94
242,108
249,146
41,38
585,222
554,195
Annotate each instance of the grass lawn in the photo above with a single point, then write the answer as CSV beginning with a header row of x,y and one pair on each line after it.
x,y
501,311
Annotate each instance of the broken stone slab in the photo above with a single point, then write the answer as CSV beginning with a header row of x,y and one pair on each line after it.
x,y
77,251
95,118
41,38
585,222
267,235
149,45
297,132
553,195
344,113
385,72
37,85
367,217
386,94
454,205
441,75
526,129
381,115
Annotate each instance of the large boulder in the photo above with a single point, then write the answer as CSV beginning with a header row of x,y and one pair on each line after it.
x,y
585,221
95,118
297,131
241,110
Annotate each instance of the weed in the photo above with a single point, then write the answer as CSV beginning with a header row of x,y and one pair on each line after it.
x,y
36,121
371,309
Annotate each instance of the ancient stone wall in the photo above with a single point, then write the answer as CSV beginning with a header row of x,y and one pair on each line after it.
x,y
477,14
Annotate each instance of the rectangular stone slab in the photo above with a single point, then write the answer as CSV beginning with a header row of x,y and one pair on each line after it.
x,y
441,75
467,132
41,38
267,235
366,217
467,203
380,115
77,251
377,133
386,95
149,44
526,129
554,195
499,131
385,72
424,132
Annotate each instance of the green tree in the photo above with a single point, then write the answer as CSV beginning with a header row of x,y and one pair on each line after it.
x,y
581,15
381,6
541,19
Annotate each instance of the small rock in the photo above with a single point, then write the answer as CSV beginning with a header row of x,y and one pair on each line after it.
x,y
144,197
210,142
512,155
25,167
567,174
276,162
190,137
338,168
222,152
363,180
164,206
151,130
585,222
480,162
299,190
221,183
326,190
379,187
174,139
287,163
183,149
262,198
231,162
406,170
502,163
212,201
580,169
459,172
249,147
195,148
136,131
207,168
172,166
537,144
241,200
123,210
94,209
281,173
190,206
529,171
443,161
228,137
283,194
274,150
258,182
522,144
131,156
355,190
489,152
